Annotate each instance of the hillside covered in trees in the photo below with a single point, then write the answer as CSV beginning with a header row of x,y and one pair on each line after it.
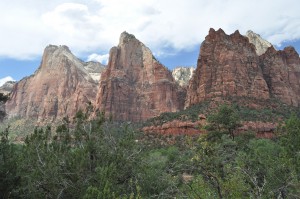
x,y
103,159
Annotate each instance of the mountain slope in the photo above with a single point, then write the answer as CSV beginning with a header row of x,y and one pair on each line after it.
x,y
60,87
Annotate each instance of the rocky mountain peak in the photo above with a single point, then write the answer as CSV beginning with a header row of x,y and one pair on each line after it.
x,y
135,86
227,66
260,44
125,37
95,69
60,87
50,49
291,51
182,75
212,35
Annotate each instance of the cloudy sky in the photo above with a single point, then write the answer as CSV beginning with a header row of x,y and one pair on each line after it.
x,y
172,29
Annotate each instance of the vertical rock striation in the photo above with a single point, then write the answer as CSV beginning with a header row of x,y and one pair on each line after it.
x,y
227,66
281,70
60,87
135,86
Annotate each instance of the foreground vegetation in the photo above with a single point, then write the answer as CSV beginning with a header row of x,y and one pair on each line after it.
x,y
101,159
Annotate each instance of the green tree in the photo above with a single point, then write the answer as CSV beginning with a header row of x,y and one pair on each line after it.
x,y
9,179
225,121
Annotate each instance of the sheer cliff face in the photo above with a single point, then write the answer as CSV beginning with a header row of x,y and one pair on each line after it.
x,y
227,66
135,86
281,70
60,87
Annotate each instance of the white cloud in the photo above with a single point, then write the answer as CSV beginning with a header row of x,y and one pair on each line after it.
x,y
90,26
103,59
6,79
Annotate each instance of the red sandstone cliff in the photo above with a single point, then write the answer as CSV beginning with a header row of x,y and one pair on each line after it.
x,y
60,87
227,66
135,86
281,70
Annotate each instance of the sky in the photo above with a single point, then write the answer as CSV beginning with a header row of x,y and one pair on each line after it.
x,y
172,29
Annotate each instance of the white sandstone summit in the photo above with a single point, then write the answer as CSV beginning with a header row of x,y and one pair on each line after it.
x,y
182,75
260,44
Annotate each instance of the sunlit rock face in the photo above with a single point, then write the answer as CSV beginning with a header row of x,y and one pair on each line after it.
x,y
260,44
60,87
182,75
227,66
94,69
135,86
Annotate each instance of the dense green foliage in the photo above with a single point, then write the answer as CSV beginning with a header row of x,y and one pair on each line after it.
x,y
101,159
247,109
3,99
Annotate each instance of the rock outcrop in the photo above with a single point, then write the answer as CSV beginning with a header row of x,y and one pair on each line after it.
x,y
281,70
260,44
227,66
61,86
7,87
178,127
182,75
95,69
135,86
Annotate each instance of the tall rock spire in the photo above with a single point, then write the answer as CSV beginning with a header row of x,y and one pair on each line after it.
x,y
135,86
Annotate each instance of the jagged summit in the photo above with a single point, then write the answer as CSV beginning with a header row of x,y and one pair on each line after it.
x,y
237,66
125,37
227,66
260,44
50,49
